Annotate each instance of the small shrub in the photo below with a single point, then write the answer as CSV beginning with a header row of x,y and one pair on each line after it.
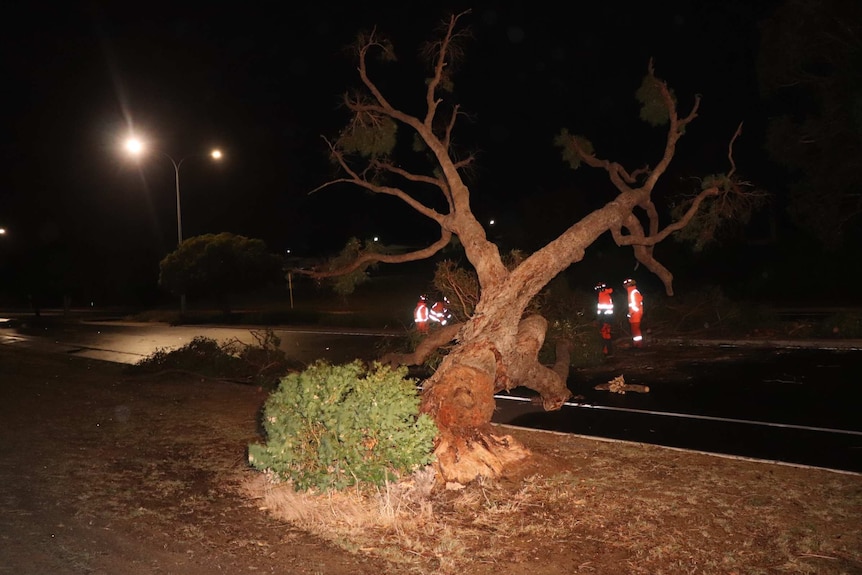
x,y
262,363
265,362
331,427
201,355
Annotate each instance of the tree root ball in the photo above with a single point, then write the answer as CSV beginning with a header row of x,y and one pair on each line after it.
x,y
462,399
462,403
464,459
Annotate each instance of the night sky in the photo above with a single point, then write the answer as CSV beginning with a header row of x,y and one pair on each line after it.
x,y
262,81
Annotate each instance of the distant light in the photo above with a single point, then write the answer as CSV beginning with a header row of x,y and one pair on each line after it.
x,y
134,146
216,154
492,222
376,238
287,250
2,231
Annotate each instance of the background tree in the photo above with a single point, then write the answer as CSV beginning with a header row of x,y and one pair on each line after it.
x,y
219,265
497,346
810,71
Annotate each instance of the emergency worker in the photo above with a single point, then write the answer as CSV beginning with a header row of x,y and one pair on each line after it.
x,y
440,312
605,315
636,311
421,314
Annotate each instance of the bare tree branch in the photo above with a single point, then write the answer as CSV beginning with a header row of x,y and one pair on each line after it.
x,y
656,237
368,258
736,134
444,49
675,130
642,242
437,182
617,173
387,190
450,127
434,341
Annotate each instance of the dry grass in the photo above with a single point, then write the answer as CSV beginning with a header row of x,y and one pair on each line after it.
x,y
599,507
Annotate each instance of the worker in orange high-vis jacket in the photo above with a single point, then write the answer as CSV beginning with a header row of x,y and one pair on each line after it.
x,y
636,311
421,314
440,312
605,315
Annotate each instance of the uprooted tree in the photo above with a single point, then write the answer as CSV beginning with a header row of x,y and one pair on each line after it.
x,y
497,347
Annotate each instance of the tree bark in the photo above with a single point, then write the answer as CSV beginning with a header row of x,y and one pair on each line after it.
x,y
436,339
460,396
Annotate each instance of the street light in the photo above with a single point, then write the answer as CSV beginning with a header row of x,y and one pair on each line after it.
x,y
136,147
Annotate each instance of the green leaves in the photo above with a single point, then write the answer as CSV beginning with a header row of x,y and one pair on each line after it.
x,y
720,216
219,264
331,427
370,136
345,284
573,148
654,109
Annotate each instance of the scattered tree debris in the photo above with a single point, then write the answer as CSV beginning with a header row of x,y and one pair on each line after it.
x,y
619,385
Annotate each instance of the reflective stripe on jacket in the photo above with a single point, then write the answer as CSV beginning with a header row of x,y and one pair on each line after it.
x,y
420,314
606,302
636,306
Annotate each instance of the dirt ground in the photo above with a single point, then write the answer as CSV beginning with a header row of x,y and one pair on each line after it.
x,y
102,472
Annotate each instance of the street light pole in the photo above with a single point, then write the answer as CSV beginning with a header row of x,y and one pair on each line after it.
x,y
179,207
179,220
215,155
135,147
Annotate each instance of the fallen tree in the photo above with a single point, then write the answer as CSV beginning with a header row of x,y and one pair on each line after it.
x,y
497,347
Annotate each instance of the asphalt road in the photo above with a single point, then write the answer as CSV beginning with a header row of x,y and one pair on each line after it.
x,y
129,342
795,405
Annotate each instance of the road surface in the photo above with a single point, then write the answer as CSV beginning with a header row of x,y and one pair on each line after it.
x,y
130,342
791,405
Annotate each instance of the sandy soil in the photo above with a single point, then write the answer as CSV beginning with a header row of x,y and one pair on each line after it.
x,y
105,473
102,472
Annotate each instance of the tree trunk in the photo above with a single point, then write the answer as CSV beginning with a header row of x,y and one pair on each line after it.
x,y
460,394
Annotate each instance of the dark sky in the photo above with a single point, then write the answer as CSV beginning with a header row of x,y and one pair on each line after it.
x,y
262,82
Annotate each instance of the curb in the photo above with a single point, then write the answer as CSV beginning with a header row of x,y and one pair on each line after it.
x,y
821,344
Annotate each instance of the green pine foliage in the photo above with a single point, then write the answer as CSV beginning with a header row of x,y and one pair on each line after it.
x,y
369,136
335,426
345,284
566,142
653,106
219,264
718,220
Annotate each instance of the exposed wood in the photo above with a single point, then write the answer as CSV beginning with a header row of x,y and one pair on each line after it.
x,y
619,385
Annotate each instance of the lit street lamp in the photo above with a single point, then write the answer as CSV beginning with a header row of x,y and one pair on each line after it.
x,y
136,147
